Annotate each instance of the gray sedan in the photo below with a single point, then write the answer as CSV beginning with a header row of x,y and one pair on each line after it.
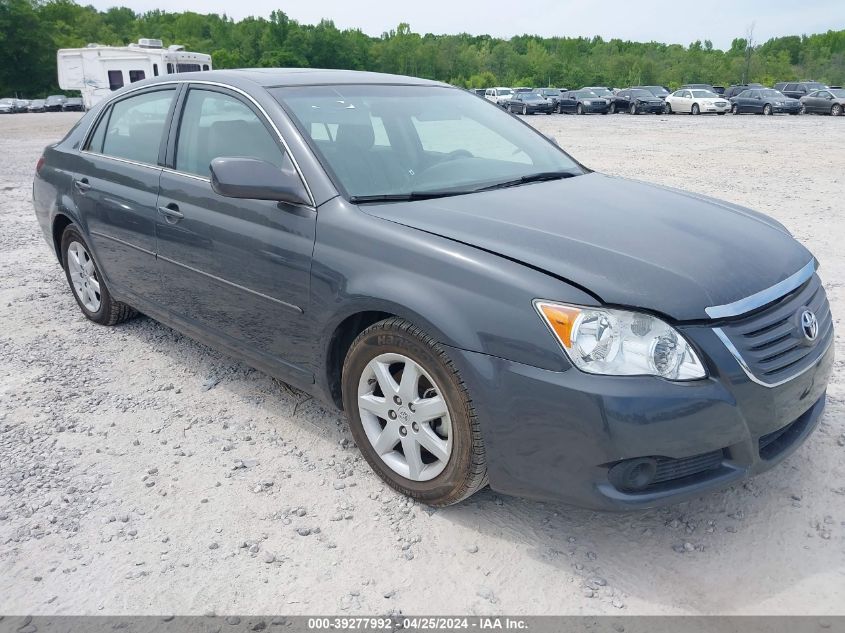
x,y
829,101
482,307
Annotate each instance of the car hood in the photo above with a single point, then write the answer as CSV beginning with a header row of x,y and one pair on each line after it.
x,y
628,243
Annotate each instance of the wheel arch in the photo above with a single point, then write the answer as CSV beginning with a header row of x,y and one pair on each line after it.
x,y
60,222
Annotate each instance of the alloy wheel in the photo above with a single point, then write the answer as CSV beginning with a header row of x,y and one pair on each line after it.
x,y
836,110
83,276
405,417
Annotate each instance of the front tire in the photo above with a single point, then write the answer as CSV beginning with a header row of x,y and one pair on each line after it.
x,y
87,283
411,414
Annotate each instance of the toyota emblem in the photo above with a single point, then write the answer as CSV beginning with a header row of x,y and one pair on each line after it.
x,y
809,325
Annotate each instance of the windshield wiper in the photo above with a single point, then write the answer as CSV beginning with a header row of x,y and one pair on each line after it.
x,y
538,177
445,193
406,197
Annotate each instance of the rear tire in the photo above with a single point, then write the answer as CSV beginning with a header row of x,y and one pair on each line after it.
x,y
767,110
613,108
695,109
668,109
381,355
632,109
836,110
579,109
87,283
734,109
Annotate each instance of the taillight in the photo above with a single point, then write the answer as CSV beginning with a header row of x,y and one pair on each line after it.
x,y
39,165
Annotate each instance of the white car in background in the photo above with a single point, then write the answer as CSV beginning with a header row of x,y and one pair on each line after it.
x,y
696,101
500,96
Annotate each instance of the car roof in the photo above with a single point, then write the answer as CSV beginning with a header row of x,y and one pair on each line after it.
x,y
279,77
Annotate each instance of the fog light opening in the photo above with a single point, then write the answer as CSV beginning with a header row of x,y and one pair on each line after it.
x,y
633,475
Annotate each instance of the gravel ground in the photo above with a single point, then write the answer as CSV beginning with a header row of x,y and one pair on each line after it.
x,y
143,473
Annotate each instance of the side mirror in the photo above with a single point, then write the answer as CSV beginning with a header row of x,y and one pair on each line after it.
x,y
258,180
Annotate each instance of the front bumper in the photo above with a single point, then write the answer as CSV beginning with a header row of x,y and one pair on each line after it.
x,y
786,109
726,107
651,108
555,435
596,107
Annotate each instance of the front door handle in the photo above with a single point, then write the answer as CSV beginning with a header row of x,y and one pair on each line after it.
x,y
171,213
82,186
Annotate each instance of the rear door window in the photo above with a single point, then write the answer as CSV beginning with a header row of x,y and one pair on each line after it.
x,y
134,127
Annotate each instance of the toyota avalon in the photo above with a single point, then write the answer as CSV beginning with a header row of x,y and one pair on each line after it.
x,y
388,245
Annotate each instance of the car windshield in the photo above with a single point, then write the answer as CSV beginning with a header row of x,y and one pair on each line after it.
x,y
585,94
814,85
397,142
641,93
704,94
505,91
839,94
657,90
532,97
771,93
550,92
600,91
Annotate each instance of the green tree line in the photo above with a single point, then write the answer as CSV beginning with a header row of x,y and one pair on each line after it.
x,y
32,30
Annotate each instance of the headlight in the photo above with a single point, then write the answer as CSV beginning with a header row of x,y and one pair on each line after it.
x,y
778,103
620,343
588,102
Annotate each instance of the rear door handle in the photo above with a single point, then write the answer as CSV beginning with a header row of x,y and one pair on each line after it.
x,y
171,213
82,186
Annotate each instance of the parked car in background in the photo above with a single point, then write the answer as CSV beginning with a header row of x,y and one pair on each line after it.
x,y
764,101
798,89
582,102
552,94
706,87
734,89
601,91
481,307
73,104
522,89
36,105
696,101
7,106
500,96
22,105
479,91
658,91
530,103
719,90
830,101
54,103
636,101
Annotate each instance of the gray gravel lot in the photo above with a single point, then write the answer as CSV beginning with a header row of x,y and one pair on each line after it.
x,y
141,472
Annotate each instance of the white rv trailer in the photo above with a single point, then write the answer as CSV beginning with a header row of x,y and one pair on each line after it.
x,y
98,70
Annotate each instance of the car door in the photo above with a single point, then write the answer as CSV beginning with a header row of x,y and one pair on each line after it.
x,y
237,269
570,103
622,100
683,101
820,101
116,188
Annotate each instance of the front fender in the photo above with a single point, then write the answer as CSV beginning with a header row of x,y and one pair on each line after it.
x,y
465,297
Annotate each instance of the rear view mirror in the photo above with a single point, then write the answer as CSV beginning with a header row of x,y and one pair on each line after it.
x,y
258,180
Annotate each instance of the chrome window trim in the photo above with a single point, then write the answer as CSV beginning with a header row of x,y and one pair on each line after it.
x,y
764,297
122,160
202,82
739,359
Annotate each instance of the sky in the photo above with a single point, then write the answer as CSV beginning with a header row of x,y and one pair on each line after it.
x,y
669,21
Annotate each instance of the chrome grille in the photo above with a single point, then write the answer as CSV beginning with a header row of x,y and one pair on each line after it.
x,y
771,344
